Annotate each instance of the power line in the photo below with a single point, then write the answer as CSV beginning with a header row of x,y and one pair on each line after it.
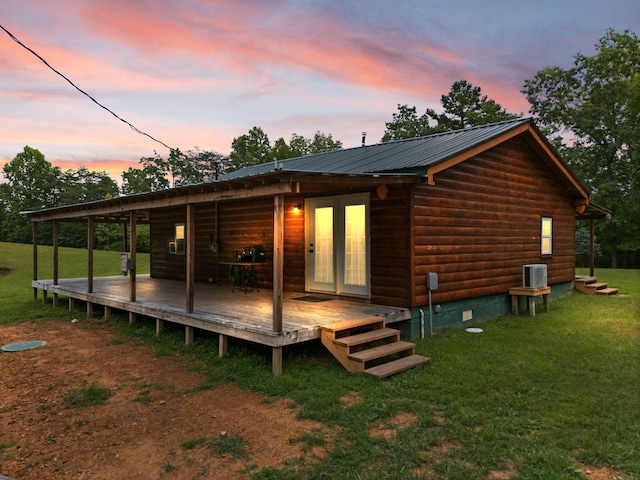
x,y
82,91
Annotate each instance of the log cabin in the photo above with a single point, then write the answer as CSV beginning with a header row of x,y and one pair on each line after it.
x,y
347,234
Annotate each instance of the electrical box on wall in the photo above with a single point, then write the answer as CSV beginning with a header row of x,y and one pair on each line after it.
x,y
432,281
124,263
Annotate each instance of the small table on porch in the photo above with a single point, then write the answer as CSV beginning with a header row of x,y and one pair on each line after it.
x,y
242,275
531,294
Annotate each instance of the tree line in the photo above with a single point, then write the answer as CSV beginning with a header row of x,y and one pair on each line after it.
x,y
590,112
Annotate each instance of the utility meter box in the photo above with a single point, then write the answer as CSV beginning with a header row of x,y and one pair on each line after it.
x,y
124,263
432,281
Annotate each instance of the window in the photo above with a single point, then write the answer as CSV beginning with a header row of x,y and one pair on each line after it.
x,y
179,237
545,236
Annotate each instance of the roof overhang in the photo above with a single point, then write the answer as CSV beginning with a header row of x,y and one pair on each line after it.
x,y
594,212
119,209
538,141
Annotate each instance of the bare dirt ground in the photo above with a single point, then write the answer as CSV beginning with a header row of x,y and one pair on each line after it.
x,y
156,424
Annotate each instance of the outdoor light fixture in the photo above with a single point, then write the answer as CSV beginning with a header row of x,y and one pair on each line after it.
x,y
297,209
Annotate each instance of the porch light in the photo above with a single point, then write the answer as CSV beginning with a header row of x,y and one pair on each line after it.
x,y
297,208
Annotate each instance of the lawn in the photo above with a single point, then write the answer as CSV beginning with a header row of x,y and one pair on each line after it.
x,y
549,397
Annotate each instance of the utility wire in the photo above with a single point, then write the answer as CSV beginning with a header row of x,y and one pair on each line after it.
x,y
82,91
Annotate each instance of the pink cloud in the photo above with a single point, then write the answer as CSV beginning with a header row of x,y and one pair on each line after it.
x,y
249,38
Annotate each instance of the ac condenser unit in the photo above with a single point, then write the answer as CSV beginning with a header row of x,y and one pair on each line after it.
x,y
534,275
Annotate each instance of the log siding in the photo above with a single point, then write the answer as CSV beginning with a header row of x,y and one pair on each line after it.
x,y
481,222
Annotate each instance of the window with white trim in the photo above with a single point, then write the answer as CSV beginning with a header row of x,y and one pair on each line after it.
x,y
545,236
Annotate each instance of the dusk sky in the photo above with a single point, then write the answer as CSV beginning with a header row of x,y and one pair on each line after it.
x,y
201,72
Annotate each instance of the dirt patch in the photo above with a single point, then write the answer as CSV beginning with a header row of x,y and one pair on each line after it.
x,y
598,473
389,428
157,423
350,399
509,472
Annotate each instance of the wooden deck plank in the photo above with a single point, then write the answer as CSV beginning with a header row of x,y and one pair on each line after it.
x,y
217,309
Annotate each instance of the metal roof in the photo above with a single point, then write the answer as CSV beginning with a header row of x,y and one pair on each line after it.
x,y
397,157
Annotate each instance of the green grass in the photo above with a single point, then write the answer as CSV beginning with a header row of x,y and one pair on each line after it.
x,y
16,274
87,396
532,396
232,445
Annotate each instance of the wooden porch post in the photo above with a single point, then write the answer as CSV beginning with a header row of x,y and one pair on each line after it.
x,y
132,261
592,247
278,277
90,255
34,229
132,244
55,260
90,264
191,257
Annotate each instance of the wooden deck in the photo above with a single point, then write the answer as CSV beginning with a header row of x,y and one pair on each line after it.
x,y
246,316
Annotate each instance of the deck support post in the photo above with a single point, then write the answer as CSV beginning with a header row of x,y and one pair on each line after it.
x,y
44,296
72,304
188,335
89,310
132,318
276,361
223,345
107,312
159,326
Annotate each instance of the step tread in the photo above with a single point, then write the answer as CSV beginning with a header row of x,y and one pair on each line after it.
x,y
597,286
382,351
352,323
367,337
586,279
607,291
397,366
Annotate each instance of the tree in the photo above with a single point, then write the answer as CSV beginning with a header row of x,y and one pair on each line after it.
x,y
464,106
252,148
323,143
593,110
407,124
32,184
203,166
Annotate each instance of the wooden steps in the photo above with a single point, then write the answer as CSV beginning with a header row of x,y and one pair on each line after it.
x,y
591,286
366,345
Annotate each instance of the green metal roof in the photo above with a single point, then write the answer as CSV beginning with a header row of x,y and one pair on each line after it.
x,y
400,157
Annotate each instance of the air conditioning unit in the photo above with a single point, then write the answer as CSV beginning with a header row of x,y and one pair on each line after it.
x,y
534,275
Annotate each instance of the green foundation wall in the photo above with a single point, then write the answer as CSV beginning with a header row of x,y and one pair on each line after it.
x,y
481,309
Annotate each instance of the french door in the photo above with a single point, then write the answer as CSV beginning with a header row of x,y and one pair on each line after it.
x,y
337,240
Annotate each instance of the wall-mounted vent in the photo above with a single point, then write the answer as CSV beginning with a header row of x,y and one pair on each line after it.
x,y
534,275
